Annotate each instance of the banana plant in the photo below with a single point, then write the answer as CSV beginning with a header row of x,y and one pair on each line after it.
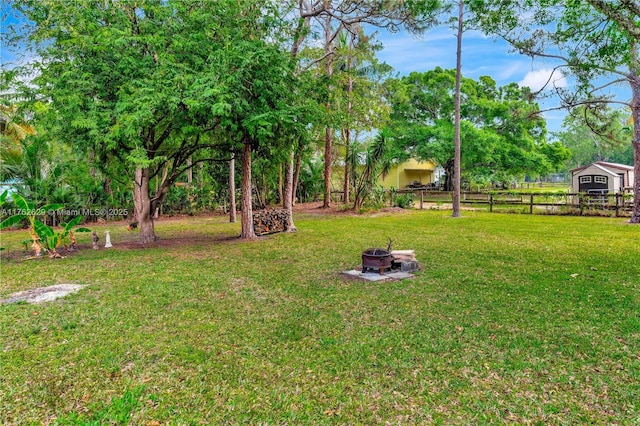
x,y
43,237
68,231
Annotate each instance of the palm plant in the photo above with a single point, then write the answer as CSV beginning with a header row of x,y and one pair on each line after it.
x,y
310,183
377,163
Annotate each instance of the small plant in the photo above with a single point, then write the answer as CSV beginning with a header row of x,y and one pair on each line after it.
x,y
43,237
375,198
404,201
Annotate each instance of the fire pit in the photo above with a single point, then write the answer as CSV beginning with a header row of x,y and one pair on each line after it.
x,y
376,259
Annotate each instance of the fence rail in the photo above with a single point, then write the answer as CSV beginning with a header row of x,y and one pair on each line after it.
x,y
528,202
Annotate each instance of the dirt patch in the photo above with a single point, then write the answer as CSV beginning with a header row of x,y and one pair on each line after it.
x,y
340,210
170,242
316,208
42,294
22,255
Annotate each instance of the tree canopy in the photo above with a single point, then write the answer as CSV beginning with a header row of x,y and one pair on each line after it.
x,y
596,41
502,137
145,85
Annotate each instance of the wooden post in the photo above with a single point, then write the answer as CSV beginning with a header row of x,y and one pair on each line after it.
x,y
491,203
531,204
421,199
617,204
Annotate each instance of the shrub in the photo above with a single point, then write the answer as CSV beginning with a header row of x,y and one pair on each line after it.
x,y
404,201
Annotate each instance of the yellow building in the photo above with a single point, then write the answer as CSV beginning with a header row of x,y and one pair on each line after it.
x,y
411,172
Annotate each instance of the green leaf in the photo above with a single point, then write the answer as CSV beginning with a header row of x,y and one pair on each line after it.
x,y
73,222
53,241
21,203
43,231
12,220
3,196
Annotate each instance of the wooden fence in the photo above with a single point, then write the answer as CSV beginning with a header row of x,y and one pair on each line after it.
x,y
526,202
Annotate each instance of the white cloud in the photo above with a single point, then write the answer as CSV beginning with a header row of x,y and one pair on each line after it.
x,y
545,78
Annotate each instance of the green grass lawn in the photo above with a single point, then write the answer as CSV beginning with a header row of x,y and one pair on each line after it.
x,y
512,319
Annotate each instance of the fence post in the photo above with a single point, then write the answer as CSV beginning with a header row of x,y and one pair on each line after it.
x,y
421,199
490,203
617,204
581,202
531,203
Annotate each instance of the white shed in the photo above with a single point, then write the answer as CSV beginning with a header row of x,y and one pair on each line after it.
x,y
602,177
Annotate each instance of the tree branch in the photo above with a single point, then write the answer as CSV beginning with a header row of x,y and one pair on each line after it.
x,y
628,21
315,61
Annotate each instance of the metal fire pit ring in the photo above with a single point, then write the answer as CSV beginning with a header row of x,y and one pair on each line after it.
x,y
376,259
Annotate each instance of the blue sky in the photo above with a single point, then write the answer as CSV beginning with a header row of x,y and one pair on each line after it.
x,y
481,55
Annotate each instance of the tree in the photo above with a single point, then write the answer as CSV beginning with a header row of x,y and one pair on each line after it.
x,y
596,41
457,169
334,16
359,97
142,83
502,137
596,133
13,131
263,105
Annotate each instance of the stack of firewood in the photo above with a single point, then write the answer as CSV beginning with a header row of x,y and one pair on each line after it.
x,y
270,221
405,260
404,255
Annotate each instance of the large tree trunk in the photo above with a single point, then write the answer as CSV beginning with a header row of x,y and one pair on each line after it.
x,y
247,209
232,188
143,205
288,191
456,137
635,116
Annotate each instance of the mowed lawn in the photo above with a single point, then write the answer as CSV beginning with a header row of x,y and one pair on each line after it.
x,y
512,319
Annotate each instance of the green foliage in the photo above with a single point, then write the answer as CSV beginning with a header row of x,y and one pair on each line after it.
x,y
158,86
192,200
311,181
377,162
596,134
404,201
593,40
502,137
43,237
376,198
